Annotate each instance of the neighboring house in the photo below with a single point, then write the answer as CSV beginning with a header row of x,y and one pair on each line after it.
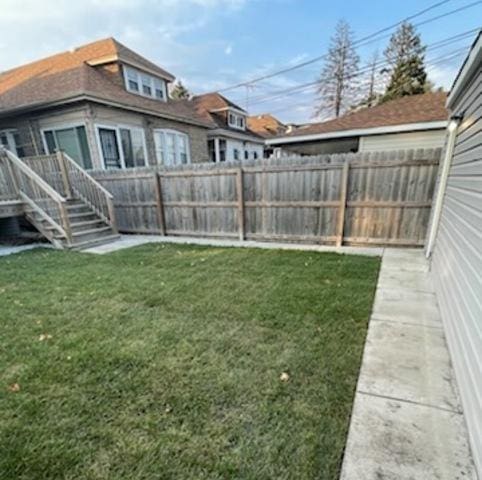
x,y
231,139
104,105
416,121
266,126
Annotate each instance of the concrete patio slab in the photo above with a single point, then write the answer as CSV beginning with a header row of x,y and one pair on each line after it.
x,y
11,249
406,306
128,241
393,440
402,279
408,362
407,422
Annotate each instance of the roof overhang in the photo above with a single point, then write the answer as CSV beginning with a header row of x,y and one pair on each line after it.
x,y
119,58
245,137
89,97
359,132
230,109
469,67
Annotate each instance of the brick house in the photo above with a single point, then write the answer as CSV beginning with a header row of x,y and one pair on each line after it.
x,y
104,105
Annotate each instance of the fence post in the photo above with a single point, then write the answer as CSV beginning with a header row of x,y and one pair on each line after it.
x,y
240,197
159,207
64,173
342,207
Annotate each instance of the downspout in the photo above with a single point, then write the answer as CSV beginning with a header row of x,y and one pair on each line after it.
x,y
439,200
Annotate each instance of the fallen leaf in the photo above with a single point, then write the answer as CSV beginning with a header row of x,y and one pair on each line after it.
x,y
15,387
284,377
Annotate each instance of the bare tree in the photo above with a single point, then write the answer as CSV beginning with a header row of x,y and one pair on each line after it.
x,y
337,84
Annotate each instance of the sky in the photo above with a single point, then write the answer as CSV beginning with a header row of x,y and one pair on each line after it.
x,y
213,44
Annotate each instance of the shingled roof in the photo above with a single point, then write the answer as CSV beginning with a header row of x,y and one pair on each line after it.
x,y
74,75
211,106
427,107
266,125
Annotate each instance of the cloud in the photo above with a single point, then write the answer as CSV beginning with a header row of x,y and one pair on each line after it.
x,y
158,29
228,50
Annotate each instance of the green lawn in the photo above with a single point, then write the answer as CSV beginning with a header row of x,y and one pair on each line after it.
x,y
165,362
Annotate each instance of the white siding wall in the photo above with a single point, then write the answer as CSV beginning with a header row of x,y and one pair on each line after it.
x,y
251,147
457,260
401,141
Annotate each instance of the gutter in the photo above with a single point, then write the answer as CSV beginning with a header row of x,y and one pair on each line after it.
x,y
447,163
82,96
407,127
220,132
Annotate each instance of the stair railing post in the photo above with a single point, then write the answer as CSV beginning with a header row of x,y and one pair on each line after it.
x,y
65,174
66,221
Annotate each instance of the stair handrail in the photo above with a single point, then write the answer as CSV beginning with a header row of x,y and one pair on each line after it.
x,y
109,197
43,185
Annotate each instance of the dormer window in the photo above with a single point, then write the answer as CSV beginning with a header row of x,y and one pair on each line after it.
x,y
144,84
236,121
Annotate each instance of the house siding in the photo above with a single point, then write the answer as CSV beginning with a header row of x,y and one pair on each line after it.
x,y
89,114
457,259
402,141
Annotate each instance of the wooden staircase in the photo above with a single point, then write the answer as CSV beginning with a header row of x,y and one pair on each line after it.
x,y
60,199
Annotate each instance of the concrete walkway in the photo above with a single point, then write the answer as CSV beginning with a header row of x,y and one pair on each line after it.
x,y
127,241
407,422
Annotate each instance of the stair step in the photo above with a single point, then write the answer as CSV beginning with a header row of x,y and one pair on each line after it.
x,y
82,215
91,231
87,223
96,242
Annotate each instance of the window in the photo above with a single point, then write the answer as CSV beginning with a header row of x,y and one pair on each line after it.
x,y
236,154
222,150
72,140
159,87
144,84
212,150
132,80
133,147
10,139
236,121
172,147
122,146
255,155
246,155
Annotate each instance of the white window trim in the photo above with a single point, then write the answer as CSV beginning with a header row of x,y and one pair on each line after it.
x,y
9,133
139,74
236,116
62,126
177,133
117,128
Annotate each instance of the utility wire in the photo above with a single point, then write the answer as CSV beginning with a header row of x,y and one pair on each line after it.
x,y
363,41
366,69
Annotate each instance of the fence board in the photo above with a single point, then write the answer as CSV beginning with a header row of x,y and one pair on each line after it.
x,y
383,198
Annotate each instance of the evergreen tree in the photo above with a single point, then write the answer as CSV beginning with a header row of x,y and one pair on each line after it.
x,y
337,84
180,92
405,56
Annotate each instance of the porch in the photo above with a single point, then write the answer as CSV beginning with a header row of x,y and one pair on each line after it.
x,y
60,199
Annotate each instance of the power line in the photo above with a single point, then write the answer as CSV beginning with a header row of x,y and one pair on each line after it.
x,y
290,90
363,41
435,62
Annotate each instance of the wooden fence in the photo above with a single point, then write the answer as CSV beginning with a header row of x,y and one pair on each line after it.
x,y
364,198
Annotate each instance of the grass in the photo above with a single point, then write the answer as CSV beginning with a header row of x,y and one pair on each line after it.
x,y
164,362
